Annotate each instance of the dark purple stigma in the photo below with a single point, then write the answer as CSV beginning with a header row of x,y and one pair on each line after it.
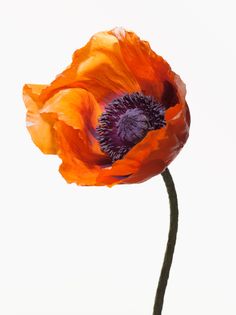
x,y
132,125
126,121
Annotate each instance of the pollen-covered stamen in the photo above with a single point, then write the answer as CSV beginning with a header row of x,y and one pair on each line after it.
x,y
126,121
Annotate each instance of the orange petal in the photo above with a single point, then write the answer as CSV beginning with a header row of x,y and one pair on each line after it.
x,y
152,72
78,109
41,131
99,68
79,163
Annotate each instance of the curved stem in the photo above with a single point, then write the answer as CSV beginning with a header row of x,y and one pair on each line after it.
x,y
174,213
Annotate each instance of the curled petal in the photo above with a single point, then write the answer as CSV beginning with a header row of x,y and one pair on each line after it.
x,y
151,71
99,68
79,163
79,109
41,131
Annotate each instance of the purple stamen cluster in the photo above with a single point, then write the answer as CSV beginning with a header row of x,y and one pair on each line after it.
x,y
126,121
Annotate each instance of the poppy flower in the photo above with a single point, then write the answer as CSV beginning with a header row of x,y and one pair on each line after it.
x,y
116,115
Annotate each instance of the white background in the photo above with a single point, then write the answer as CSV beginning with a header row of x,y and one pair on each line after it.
x,y
74,250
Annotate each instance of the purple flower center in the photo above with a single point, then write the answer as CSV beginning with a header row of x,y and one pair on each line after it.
x,y
132,125
126,121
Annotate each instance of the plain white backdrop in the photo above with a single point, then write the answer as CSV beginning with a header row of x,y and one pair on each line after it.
x,y
69,250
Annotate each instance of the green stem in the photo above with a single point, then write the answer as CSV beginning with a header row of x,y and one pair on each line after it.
x,y
174,213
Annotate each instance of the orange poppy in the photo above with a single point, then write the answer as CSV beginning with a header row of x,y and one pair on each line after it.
x,y
116,115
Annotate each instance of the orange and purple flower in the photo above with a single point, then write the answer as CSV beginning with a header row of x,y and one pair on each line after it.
x,y
116,115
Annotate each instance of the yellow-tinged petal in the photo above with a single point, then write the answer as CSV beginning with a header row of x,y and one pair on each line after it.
x,y
99,68
41,131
